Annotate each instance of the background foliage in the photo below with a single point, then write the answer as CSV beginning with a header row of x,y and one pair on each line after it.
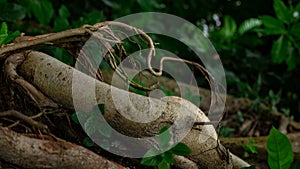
x,y
257,40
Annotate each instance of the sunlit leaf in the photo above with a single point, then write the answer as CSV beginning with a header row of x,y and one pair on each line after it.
x,y
279,148
11,37
3,32
248,25
229,28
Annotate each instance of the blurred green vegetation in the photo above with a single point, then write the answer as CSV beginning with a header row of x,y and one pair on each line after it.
x,y
258,41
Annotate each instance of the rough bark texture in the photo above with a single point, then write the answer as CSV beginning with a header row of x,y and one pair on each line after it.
x,y
55,80
36,153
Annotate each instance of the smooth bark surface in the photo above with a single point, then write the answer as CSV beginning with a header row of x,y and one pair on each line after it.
x,y
56,80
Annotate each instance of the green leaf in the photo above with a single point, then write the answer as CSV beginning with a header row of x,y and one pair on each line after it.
x,y
87,142
63,12
164,138
11,37
295,30
74,118
282,11
151,158
104,129
279,49
181,149
272,25
163,165
105,144
248,25
91,125
279,148
11,12
168,157
292,59
229,27
3,32
61,22
42,10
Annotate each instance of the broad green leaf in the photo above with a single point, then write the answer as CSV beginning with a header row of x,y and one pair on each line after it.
x,y
272,25
164,138
279,148
280,49
151,158
248,25
163,165
168,157
12,12
181,149
3,32
292,59
42,10
295,30
281,11
229,27
87,142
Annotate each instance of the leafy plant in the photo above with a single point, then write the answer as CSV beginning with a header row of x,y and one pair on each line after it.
x,y
279,148
94,123
163,156
286,25
6,37
250,148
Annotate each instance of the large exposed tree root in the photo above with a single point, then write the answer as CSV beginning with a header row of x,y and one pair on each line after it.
x,y
207,152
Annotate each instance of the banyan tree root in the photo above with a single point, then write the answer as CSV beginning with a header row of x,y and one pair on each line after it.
x,y
72,89
36,153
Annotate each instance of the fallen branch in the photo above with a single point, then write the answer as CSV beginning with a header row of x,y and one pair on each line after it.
x,y
35,153
207,152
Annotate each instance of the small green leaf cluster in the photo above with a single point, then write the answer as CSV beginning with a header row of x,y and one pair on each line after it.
x,y
94,123
250,148
286,25
164,155
5,36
